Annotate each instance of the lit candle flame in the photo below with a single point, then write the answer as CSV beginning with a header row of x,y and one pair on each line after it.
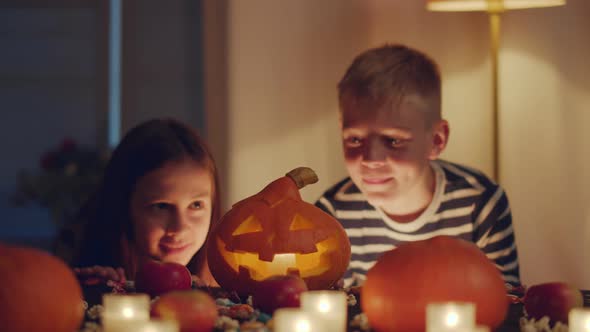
x,y
324,305
452,319
128,312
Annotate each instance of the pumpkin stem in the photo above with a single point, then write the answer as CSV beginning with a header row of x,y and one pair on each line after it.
x,y
302,176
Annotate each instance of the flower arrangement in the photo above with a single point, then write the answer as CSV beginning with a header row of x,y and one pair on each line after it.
x,y
68,175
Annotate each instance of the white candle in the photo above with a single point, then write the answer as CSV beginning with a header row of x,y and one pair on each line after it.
x,y
124,312
579,320
450,316
157,326
295,320
329,306
144,326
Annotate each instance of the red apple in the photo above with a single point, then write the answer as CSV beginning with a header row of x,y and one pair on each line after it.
x,y
194,310
553,299
278,292
156,278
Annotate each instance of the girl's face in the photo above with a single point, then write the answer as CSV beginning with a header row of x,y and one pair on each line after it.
x,y
171,211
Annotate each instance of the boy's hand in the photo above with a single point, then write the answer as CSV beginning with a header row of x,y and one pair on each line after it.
x,y
100,274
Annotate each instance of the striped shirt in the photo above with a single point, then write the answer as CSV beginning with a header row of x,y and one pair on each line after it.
x,y
466,204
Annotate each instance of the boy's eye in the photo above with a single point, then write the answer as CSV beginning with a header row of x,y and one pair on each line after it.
x,y
353,141
394,142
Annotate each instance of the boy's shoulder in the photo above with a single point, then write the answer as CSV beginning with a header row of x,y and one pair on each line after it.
x,y
457,174
344,195
343,187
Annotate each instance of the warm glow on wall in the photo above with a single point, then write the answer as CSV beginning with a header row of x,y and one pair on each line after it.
x,y
494,8
486,5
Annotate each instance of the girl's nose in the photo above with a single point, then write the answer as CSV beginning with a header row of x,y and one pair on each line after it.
x,y
177,222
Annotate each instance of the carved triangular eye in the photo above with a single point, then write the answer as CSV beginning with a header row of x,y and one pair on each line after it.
x,y
250,225
300,222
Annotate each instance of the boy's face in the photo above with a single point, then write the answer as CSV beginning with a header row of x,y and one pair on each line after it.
x,y
388,153
171,211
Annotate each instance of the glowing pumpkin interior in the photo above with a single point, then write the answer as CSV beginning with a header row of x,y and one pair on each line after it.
x,y
276,233
262,253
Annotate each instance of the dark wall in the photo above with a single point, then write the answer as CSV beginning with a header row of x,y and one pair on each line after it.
x,y
162,64
53,84
49,89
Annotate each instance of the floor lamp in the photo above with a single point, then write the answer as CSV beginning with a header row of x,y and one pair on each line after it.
x,y
494,8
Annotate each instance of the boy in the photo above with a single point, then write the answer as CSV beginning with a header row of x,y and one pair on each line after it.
x,y
398,191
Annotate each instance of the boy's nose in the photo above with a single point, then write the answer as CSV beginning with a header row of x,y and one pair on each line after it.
x,y
374,151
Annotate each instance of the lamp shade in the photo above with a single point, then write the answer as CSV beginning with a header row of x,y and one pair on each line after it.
x,y
487,5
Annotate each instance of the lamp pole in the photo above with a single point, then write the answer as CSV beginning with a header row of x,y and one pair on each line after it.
x,y
495,46
494,8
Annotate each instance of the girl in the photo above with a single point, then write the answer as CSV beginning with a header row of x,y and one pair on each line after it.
x,y
158,198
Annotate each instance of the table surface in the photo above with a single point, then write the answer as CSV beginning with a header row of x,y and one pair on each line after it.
x,y
93,296
511,322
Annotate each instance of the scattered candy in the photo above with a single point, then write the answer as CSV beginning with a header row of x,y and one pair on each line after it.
x,y
95,311
91,327
226,324
541,325
253,326
361,322
224,302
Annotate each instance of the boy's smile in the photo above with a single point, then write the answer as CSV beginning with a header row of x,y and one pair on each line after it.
x,y
388,148
376,181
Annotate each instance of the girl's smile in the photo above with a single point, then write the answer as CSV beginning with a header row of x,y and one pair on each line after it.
x,y
173,249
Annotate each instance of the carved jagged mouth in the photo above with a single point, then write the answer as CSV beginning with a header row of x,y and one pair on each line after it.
x,y
248,263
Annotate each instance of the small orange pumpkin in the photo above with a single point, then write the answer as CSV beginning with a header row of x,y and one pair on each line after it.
x,y
441,269
38,292
276,233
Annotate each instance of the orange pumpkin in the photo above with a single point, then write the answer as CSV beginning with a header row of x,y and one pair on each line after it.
x,y
38,292
442,269
276,233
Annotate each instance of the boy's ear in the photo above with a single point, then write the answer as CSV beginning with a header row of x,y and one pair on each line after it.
x,y
440,137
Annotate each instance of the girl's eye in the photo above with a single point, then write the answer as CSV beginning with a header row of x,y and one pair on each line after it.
x,y
196,205
159,206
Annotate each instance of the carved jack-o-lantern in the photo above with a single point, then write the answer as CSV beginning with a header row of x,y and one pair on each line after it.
x,y
276,233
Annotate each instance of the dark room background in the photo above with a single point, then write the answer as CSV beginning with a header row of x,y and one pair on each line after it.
x,y
88,70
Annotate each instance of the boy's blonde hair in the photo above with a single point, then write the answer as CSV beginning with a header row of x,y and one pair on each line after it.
x,y
389,73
